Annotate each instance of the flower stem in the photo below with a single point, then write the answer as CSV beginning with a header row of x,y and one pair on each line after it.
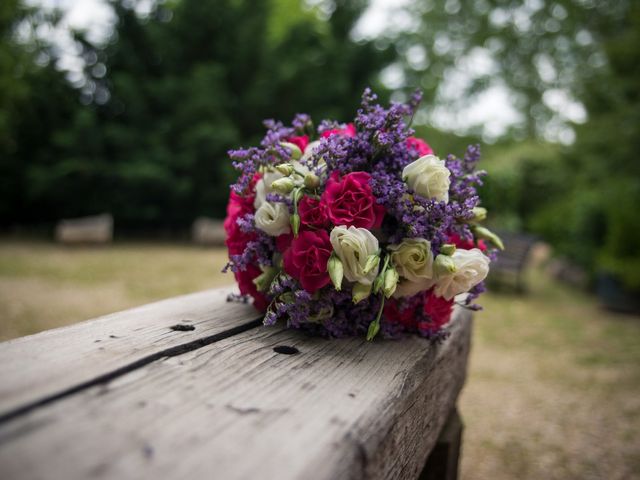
x,y
374,327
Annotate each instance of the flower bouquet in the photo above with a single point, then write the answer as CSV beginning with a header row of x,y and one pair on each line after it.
x,y
359,228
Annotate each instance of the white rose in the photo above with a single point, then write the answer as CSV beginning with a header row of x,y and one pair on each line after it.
x,y
353,246
472,266
263,187
413,259
273,218
428,177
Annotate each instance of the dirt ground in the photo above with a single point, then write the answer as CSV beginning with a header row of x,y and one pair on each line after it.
x,y
554,382
553,390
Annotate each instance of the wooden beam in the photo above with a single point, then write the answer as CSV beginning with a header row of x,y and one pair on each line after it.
x,y
236,409
38,367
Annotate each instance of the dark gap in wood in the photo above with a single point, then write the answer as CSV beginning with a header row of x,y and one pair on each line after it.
x,y
107,377
286,350
444,459
181,327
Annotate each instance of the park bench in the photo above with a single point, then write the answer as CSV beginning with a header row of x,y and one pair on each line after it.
x,y
94,229
196,387
509,268
207,231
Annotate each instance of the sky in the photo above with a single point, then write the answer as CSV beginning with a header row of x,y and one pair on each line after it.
x,y
493,109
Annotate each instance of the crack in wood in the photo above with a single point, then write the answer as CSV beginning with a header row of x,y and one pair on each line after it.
x,y
182,327
142,362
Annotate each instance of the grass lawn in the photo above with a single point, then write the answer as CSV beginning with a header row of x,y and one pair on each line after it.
x,y
554,383
45,285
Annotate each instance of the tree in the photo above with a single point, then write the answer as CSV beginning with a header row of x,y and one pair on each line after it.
x,y
169,93
595,221
539,51
35,103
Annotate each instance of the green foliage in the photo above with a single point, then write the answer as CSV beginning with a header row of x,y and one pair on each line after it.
x,y
523,179
165,99
528,48
35,101
595,221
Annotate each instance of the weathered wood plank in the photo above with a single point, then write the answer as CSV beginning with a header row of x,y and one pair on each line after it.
x,y
39,366
235,409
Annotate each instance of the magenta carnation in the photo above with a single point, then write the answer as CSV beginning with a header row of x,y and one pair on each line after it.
x,y
350,201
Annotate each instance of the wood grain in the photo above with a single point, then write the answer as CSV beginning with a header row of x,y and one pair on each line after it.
x,y
235,409
43,365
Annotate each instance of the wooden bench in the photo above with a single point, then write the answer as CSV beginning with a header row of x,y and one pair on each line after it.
x,y
508,269
95,229
208,232
196,387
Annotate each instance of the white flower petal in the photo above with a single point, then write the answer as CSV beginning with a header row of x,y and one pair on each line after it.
x,y
273,218
428,177
353,246
472,267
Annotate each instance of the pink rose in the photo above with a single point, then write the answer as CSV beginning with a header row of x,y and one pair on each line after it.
x,y
420,146
307,257
302,141
466,244
350,201
313,213
349,131
438,309
247,287
283,241
237,207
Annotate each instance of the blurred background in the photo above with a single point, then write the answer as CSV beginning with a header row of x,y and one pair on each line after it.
x,y
115,120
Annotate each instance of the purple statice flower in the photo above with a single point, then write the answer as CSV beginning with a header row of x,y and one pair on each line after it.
x,y
290,301
248,161
277,198
340,153
326,125
301,123
348,318
474,293
464,178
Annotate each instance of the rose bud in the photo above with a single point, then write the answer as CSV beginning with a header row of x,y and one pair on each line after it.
x,y
311,180
479,214
285,169
360,292
283,186
391,279
444,265
336,271
296,153
487,234
447,249
295,224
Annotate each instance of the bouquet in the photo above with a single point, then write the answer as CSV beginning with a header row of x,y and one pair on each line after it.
x,y
358,228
